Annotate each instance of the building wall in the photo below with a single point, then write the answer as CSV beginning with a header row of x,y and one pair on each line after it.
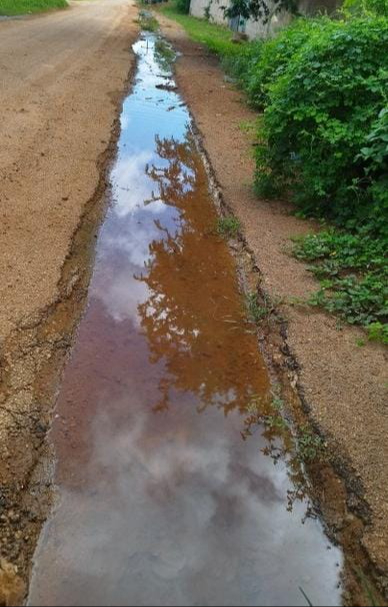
x,y
198,8
257,29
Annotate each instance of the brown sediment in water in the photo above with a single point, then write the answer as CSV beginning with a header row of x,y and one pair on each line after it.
x,y
338,388
161,501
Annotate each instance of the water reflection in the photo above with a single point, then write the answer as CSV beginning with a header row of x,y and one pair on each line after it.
x,y
193,316
161,501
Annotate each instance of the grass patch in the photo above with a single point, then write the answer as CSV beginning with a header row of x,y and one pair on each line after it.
x,y
257,311
23,7
228,226
353,273
217,38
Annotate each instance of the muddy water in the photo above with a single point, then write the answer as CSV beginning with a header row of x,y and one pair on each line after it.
x,y
161,501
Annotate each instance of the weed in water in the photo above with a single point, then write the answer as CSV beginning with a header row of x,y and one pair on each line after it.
x,y
310,445
148,22
228,226
273,421
277,403
276,421
368,590
164,54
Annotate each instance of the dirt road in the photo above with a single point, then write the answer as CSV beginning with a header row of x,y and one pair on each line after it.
x,y
62,77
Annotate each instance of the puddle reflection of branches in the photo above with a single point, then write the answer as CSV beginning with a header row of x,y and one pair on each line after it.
x,y
267,418
194,318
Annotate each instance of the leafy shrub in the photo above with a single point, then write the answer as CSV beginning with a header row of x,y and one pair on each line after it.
x,y
323,110
260,63
362,7
270,60
353,271
240,64
375,156
183,6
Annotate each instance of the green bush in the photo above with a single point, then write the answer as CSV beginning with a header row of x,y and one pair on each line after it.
x,y
271,59
362,7
322,117
375,157
183,6
240,63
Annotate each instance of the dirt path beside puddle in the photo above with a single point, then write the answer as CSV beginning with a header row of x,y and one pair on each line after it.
x,y
63,76
344,386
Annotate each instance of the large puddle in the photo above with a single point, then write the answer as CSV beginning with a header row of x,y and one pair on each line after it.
x,y
161,501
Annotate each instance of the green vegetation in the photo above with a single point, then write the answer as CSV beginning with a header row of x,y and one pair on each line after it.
x,y
164,53
322,112
353,272
147,21
273,420
216,37
23,7
228,226
183,6
310,445
307,445
362,7
257,310
322,139
276,421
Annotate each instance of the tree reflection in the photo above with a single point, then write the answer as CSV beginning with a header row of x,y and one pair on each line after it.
x,y
194,318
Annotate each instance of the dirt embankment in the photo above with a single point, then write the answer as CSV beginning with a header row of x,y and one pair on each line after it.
x,y
342,386
63,76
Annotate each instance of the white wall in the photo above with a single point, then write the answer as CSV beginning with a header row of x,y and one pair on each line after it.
x,y
198,8
257,29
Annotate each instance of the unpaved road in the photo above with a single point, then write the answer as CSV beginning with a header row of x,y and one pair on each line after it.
x,y
62,76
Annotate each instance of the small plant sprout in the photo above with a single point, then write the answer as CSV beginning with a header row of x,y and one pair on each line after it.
x,y
228,226
258,311
310,445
